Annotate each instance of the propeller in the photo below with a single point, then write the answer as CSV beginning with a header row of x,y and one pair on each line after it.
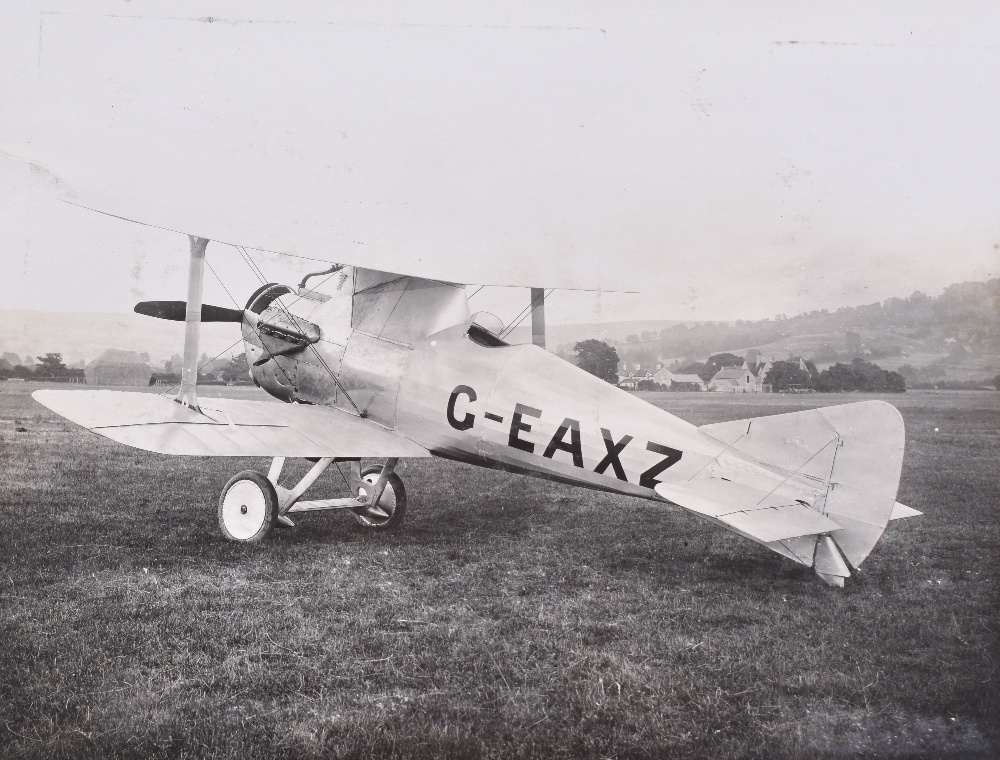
x,y
176,311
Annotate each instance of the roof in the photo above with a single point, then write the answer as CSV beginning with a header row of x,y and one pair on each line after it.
x,y
730,373
113,356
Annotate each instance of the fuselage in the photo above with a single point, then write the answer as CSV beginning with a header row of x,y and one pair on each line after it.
x,y
512,407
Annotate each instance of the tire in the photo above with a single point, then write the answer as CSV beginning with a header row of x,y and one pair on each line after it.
x,y
248,508
393,501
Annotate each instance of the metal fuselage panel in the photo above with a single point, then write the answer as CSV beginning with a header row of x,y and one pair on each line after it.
x,y
368,323
523,409
518,408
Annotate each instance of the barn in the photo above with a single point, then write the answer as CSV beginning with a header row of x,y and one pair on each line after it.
x,y
115,367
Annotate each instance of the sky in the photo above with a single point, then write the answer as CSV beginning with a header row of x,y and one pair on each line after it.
x,y
725,160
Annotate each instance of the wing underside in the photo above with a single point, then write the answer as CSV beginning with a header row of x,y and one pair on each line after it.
x,y
227,427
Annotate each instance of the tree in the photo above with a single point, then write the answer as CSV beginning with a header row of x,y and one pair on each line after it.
x,y
704,370
785,375
632,339
50,365
597,358
173,365
725,360
996,382
860,375
237,369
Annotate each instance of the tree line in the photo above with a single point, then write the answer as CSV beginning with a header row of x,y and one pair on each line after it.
x,y
51,367
601,360
47,367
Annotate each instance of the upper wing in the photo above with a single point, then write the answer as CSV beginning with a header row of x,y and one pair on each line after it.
x,y
227,427
370,171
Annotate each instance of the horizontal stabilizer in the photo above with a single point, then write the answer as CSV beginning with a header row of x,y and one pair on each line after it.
x,y
900,511
742,512
226,427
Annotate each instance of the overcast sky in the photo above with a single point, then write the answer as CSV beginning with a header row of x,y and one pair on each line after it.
x,y
735,160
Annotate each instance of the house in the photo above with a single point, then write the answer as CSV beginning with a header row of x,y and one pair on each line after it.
x,y
663,376
115,367
630,381
759,367
734,380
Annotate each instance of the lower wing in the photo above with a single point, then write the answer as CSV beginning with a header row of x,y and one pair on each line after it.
x,y
227,427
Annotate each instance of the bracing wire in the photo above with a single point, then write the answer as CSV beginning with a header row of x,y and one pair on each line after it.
x,y
520,315
214,358
253,266
256,332
525,312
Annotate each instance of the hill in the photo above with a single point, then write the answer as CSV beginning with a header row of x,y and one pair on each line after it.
x,y
953,336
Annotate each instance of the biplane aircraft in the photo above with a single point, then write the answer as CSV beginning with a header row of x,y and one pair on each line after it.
x,y
382,147
365,364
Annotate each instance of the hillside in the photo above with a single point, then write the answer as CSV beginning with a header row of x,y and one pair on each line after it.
x,y
565,336
953,336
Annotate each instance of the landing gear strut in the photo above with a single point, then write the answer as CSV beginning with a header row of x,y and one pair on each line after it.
x,y
251,504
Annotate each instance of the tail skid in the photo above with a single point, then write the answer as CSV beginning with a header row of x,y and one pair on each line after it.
x,y
839,470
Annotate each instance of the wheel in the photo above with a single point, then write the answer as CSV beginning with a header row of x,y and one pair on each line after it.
x,y
391,508
248,508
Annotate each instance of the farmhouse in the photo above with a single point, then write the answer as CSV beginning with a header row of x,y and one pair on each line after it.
x,y
630,381
734,380
115,367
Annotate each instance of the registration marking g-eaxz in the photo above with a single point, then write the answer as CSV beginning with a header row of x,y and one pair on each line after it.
x,y
567,438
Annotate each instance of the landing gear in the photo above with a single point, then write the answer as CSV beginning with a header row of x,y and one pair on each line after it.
x,y
389,511
251,504
248,508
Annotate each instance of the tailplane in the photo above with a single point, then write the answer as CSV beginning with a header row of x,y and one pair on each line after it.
x,y
831,488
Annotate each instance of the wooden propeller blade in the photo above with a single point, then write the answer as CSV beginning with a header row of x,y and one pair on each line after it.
x,y
176,311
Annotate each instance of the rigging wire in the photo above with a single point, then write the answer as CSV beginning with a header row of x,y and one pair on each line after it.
x,y
229,348
520,315
256,270
253,266
256,332
346,481
525,312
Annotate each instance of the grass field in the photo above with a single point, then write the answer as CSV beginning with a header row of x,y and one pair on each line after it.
x,y
510,617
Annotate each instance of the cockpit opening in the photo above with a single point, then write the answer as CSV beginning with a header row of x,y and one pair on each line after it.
x,y
486,329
